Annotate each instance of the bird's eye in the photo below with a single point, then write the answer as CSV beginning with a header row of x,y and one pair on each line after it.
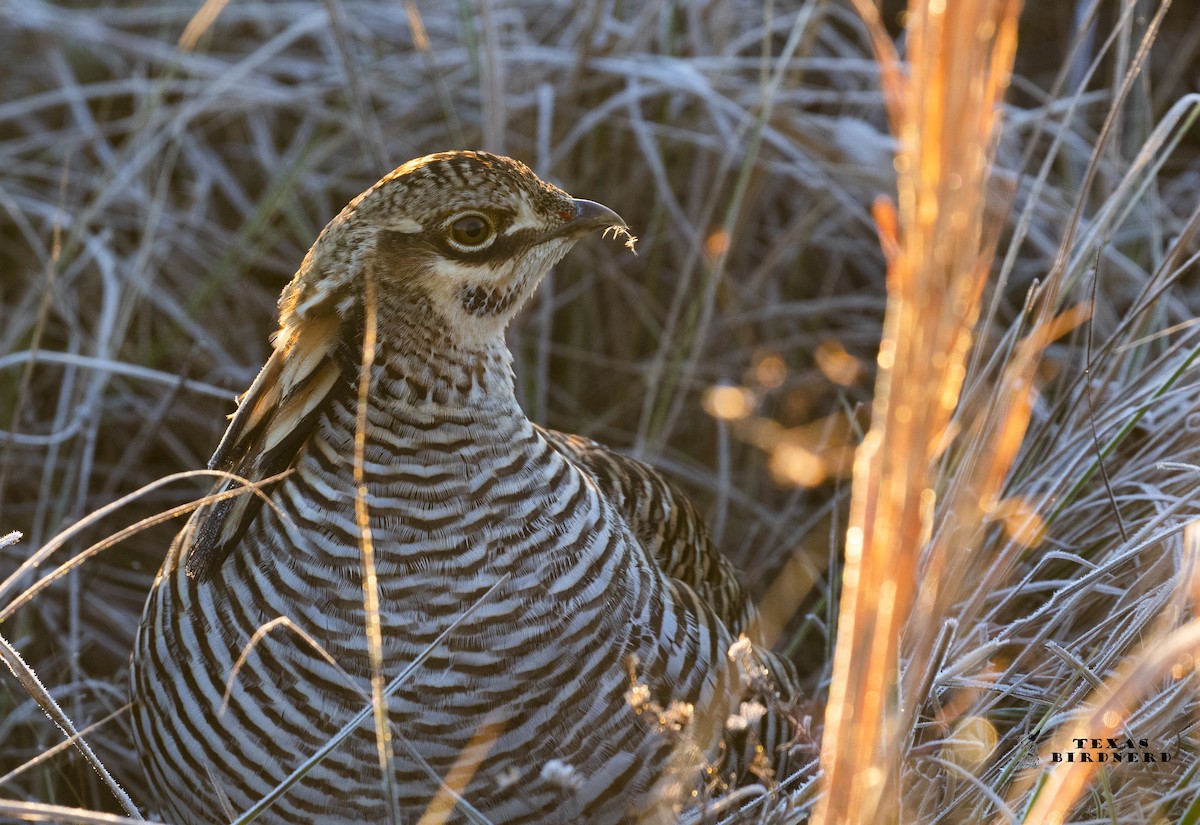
x,y
471,231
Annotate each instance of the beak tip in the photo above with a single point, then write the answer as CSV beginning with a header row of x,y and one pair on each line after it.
x,y
591,216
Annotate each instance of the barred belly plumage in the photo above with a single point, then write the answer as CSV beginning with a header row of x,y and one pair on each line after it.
x,y
471,498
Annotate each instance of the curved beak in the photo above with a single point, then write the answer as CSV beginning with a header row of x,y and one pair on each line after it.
x,y
589,217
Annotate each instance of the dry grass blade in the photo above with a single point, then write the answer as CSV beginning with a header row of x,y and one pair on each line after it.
x,y
205,16
62,815
107,366
66,744
448,797
34,687
1166,652
960,56
370,582
12,605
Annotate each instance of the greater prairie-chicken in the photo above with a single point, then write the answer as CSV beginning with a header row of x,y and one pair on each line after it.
x,y
563,640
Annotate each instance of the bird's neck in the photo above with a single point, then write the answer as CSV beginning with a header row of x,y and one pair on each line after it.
x,y
444,378
421,362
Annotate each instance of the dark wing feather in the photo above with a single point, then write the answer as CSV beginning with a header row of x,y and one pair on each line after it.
x,y
701,579
274,419
667,524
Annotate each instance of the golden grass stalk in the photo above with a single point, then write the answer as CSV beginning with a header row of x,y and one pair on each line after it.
x,y
448,797
939,255
371,604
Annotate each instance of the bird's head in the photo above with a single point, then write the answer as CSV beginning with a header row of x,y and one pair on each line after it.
x,y
465,235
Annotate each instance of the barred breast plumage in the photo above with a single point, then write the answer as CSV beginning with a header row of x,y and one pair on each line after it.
x,y
559,621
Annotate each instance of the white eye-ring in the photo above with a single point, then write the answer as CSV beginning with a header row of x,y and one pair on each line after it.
x,y
470,231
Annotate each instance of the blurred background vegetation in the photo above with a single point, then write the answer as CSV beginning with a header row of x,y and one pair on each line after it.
x,y
165,165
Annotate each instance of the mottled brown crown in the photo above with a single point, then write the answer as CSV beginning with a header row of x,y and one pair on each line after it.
x,y
449,181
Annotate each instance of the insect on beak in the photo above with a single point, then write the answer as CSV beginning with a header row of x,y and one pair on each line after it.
x,y
589,217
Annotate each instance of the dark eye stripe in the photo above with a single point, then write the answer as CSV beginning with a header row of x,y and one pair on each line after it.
x,y
501,249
